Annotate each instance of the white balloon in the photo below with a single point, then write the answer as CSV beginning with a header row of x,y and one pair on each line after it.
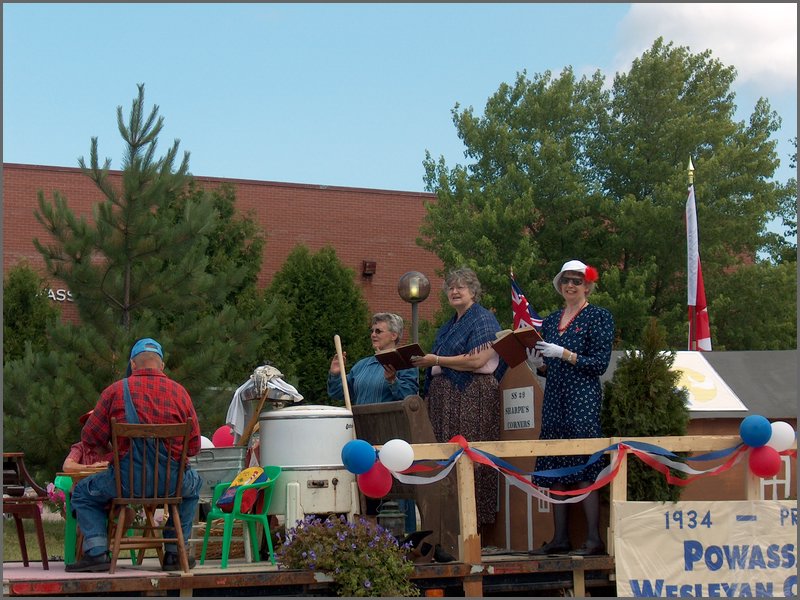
x,y
782,437
396,455
205,442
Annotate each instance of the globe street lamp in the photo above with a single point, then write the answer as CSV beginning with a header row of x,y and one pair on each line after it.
x,y
414,287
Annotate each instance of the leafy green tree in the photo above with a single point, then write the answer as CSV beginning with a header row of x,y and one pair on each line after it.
x,y
747,313
642,399
154,260
778,245
325,301
562,168
28,313
672,105
527,195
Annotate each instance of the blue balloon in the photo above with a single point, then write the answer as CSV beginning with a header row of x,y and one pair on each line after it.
x,y
359,456
755,431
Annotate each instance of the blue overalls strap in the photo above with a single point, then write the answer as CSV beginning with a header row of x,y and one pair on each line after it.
x,y
135,451
131,416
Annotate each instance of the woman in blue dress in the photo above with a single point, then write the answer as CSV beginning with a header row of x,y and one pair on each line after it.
x,y
575,353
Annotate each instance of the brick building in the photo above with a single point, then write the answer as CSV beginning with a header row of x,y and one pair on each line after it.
x,y
363,225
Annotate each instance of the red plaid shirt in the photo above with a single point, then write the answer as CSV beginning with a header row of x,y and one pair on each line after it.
x,y
157,399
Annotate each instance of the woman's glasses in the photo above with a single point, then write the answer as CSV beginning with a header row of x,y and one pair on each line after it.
x,y
377,331
576,281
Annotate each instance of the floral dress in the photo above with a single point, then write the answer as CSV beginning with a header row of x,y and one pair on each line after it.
x,y
573,393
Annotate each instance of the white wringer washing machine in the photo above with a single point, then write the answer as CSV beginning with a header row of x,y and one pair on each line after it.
x,y
306,442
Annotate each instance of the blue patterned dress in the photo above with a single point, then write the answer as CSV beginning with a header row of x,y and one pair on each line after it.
x,y
573,393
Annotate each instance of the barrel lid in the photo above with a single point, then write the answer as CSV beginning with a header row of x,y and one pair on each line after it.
x,y
306,411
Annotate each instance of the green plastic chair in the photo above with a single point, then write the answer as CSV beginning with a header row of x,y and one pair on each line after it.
x,y
64,483
251,519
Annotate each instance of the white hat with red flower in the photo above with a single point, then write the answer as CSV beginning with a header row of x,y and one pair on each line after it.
x,y
589,273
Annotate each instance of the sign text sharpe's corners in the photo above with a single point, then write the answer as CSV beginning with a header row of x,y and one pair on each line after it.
x,y
518,409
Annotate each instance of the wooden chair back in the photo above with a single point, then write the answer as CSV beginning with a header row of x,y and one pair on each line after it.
x,y
144,482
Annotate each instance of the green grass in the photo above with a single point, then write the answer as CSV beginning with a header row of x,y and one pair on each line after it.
x,y
53,538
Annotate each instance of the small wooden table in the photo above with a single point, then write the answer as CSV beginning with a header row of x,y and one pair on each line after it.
x,y
15,503
82,474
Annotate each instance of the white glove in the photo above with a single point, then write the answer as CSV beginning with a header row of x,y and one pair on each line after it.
x,y
550,350
535,359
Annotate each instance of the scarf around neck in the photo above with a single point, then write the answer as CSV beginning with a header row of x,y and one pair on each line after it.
x,y
473,332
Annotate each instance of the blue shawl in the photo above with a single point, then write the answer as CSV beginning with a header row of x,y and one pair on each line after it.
x,y
473,332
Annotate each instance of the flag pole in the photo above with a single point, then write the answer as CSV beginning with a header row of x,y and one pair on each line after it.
x,y
692,309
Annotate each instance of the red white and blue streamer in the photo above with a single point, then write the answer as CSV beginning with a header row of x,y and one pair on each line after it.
x,y
654,456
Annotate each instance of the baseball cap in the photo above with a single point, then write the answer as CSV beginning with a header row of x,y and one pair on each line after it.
x,y
146,345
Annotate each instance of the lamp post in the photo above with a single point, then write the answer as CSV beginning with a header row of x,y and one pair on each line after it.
x,y
414,287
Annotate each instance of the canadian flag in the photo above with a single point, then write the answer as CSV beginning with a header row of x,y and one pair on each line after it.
x,y
699,330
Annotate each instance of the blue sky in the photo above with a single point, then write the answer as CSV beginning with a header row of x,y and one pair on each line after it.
x,y
340,94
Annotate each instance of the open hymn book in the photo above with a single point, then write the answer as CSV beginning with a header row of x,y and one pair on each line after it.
x,y
400,357
512,345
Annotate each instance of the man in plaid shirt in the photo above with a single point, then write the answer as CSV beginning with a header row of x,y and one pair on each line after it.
x,y
155,399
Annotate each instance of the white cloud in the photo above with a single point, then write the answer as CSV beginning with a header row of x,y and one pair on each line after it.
x,y
759,40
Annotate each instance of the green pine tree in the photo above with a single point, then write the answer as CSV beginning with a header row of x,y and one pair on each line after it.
x,y
325,301
157,259
642,399
28,313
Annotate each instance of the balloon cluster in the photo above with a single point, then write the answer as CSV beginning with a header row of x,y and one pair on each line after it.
x,y
374,469
766,440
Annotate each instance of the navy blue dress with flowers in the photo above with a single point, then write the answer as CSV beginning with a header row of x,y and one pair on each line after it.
x,y
573,393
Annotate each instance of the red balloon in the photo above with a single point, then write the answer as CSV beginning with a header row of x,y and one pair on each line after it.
x,y
376,482
222,437
765,461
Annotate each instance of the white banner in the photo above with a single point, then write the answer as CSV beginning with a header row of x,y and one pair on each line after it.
x,y
706,549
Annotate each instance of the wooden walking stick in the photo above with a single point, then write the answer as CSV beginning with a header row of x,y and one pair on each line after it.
x,y
337,341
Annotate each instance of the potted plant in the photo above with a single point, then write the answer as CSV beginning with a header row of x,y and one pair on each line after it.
x,y
363,558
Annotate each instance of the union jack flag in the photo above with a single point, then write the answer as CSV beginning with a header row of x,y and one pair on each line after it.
x,y
524,315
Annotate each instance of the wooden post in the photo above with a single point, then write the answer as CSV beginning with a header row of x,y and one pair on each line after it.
x,y
578,579
752,486
469,550
618,492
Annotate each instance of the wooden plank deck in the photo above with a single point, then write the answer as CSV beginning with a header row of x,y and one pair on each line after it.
x,y
474,574
498,572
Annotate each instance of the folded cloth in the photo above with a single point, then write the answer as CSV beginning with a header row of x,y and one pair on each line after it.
x,y
265,379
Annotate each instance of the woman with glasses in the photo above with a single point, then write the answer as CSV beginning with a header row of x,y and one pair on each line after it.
x,y
369,381
575,353
462,392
